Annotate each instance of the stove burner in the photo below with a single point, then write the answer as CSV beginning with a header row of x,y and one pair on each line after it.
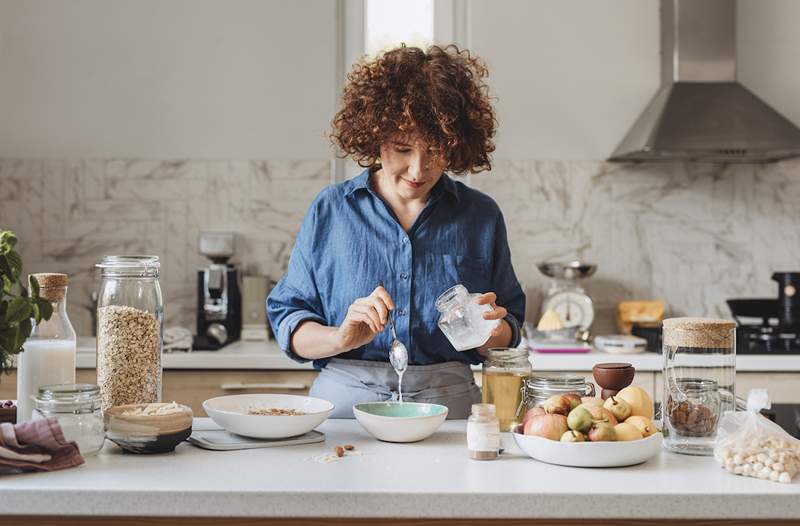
x,y
767,339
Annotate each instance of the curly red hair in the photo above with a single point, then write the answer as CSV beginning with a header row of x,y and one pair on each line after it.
x,y
439,95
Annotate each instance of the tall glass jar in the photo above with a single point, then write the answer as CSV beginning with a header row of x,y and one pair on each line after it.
x,y
461,318
130,313
540,387
77,409
699,372
504,372
50,351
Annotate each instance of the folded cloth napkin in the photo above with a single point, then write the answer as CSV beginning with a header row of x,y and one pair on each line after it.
x,y
37,445
177,339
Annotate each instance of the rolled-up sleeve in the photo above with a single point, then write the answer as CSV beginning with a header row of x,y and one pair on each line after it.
x,y
296,297
509,292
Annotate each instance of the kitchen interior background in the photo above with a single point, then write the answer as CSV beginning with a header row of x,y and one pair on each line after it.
x,y
129,127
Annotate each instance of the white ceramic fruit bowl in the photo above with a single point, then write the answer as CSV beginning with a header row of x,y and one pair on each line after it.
x,y
231,413
590,454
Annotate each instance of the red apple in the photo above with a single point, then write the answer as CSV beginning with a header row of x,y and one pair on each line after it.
x,y
547,426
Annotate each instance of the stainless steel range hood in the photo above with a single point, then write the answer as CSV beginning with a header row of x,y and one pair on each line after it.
x,y
701,112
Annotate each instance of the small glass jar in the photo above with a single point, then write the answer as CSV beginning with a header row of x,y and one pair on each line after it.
x,y
77,409
691,416
504,372
461,319
130,314
483,432
539,388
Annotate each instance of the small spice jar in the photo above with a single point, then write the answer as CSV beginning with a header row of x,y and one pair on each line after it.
x,y
504,372
483,432
539,388
77,409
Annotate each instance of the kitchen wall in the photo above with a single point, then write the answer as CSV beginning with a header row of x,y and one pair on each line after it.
x,y
112,143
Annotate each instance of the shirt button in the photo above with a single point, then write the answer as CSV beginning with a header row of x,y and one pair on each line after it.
x,y
404,240
401,312
404,275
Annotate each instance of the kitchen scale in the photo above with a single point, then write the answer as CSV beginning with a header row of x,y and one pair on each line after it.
x,y
566,297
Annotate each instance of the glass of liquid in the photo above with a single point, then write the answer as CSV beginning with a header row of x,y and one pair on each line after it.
x,y
504,373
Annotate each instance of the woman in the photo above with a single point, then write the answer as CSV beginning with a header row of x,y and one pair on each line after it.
x,y
406,117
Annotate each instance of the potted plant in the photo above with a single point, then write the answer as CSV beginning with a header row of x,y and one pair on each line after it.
x,y
18,305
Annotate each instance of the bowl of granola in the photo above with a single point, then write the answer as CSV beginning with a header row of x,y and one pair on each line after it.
x,y
268,415
148,428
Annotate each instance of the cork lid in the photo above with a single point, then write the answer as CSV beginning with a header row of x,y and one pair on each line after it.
x,y
51,285
708,333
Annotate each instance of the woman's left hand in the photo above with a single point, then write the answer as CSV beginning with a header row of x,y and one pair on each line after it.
x,y
497,312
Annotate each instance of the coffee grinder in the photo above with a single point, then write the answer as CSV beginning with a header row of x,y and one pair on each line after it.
x,y
219,300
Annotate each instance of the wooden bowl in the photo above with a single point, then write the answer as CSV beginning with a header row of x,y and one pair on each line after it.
x,y
613,377
147,433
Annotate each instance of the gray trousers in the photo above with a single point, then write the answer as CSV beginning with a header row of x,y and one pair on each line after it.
x,y
350,382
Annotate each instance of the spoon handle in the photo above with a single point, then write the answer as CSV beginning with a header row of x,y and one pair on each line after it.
x,y
391,318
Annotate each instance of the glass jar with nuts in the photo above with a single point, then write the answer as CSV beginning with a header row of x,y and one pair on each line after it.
x,y
130,314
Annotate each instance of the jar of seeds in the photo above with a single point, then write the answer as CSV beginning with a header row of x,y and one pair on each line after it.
x,y
130,313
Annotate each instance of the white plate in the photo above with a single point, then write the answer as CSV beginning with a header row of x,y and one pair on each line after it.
x,y
590,454
230,413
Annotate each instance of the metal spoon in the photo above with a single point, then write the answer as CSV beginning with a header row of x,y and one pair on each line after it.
x,y
398,354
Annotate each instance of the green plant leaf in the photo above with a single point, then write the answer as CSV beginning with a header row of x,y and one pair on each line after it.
x,y
15,262
35,312
5,268
34,286
23,331
7,285
18,310
45,308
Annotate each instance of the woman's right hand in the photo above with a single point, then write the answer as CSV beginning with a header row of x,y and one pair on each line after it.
x,y
366,317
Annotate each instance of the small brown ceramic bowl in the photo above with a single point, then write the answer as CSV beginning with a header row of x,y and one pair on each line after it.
x,y
613,376
138,433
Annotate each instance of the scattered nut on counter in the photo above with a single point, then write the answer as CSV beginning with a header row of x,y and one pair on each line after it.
x,y
772,459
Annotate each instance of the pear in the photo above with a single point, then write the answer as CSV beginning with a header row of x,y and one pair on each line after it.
x,y
626,432
572,436
618,407
557,405
643,424
580,419
574,400
591,400
602,432
640,401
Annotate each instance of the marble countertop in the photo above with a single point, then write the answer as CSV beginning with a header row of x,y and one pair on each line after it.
x,y
249,355
430,479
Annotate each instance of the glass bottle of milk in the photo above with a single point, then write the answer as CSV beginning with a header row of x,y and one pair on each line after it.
x,y
49,353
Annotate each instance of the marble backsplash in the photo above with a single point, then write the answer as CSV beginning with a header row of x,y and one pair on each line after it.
x,y
692,234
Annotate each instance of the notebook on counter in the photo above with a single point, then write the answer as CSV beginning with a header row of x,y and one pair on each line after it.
x,y
217,439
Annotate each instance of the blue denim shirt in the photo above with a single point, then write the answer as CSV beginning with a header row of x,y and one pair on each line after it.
x,y
350,240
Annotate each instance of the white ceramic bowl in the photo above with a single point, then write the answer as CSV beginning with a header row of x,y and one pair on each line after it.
x,y
590,454
400,422
230,413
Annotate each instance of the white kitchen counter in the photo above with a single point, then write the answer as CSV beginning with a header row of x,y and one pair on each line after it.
x,y
267,355
430,479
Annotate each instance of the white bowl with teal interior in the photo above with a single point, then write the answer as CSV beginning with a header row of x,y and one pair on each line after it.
x,y
400,422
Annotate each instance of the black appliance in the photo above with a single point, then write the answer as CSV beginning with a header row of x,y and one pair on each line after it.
x,y
770,325
219,298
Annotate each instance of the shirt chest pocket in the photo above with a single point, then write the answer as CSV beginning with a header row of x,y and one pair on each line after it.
x,y
474,273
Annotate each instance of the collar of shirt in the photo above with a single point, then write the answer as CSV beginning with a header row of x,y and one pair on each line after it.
x,y
362,183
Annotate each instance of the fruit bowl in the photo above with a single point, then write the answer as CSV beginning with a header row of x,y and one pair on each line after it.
x,y
590,454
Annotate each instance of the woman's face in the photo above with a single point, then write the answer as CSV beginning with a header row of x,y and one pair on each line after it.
x,y
410,168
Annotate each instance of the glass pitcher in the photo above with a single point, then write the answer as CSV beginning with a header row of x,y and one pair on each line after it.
x,y
699,373
461,319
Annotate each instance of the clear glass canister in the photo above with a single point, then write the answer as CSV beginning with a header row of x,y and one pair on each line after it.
x,y
461,319
77,409
504,373
699,373
540,387
130,313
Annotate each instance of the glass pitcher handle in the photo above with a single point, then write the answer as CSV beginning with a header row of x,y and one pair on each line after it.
x,y
589,389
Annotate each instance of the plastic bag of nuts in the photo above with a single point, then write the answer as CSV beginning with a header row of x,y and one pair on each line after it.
x,y
749,444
